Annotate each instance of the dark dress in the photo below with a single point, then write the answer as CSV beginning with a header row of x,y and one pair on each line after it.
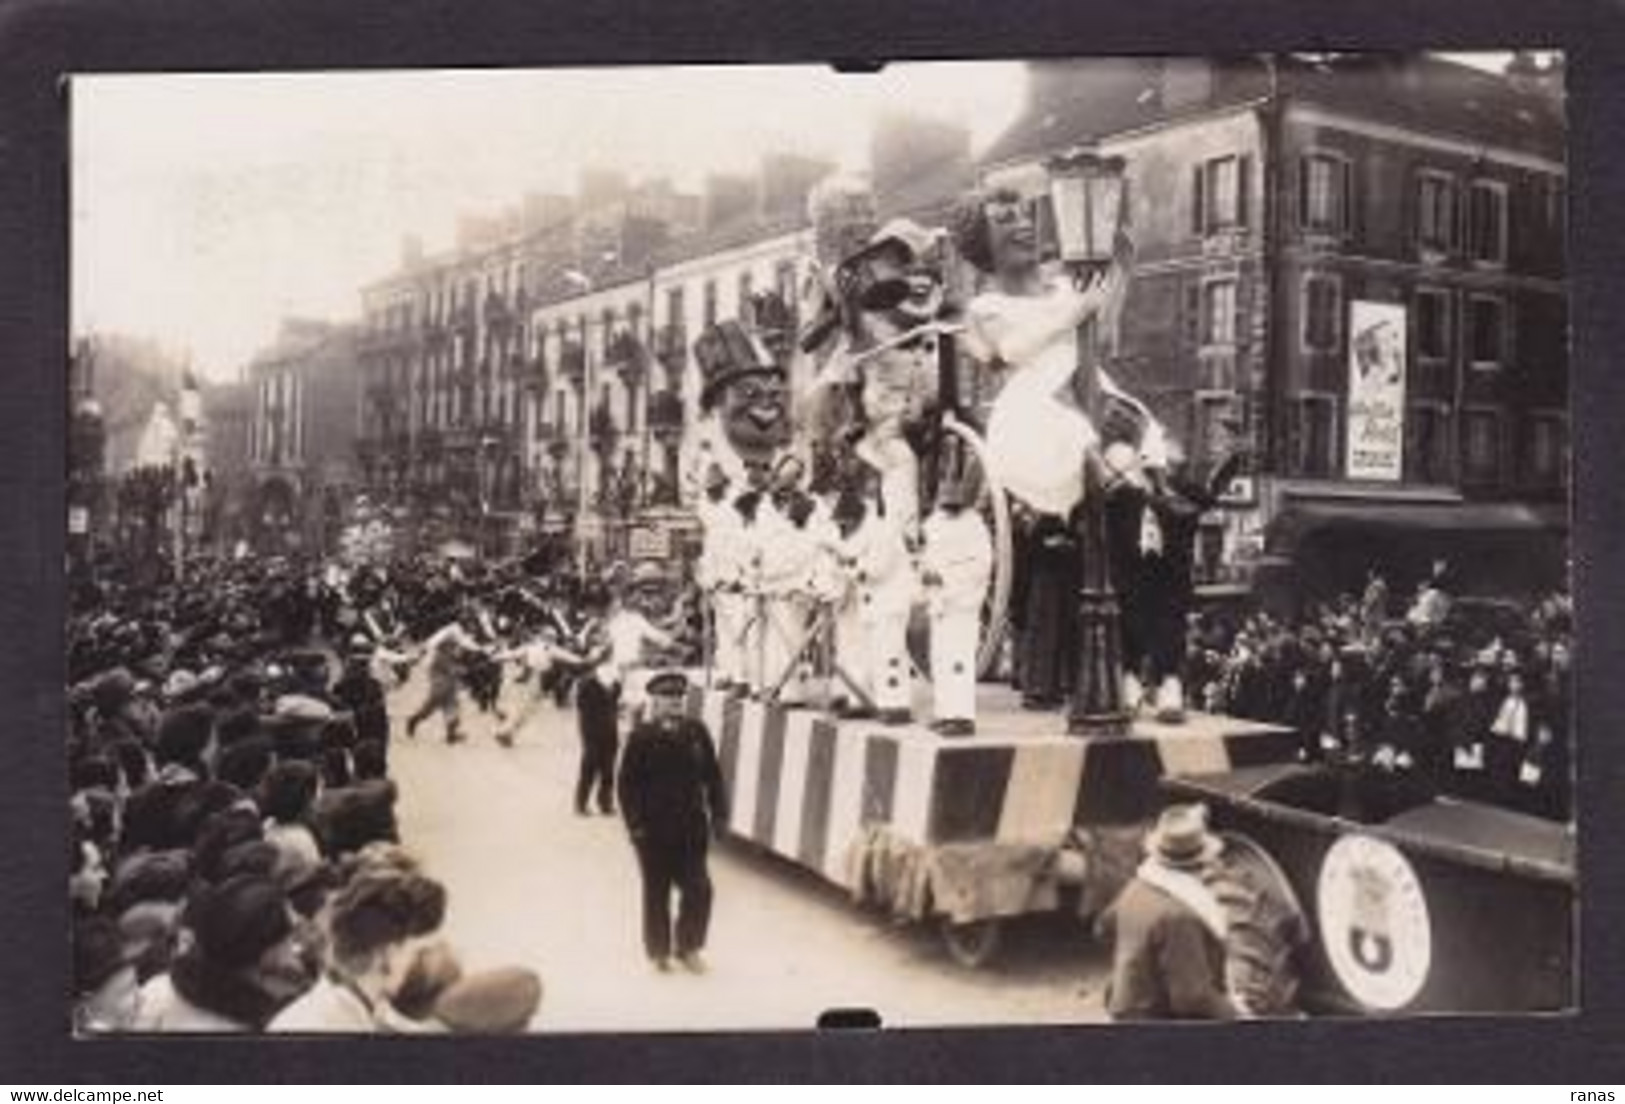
x,y
1048,644
672,799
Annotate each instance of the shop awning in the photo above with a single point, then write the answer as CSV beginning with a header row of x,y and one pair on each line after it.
x,y
1299,519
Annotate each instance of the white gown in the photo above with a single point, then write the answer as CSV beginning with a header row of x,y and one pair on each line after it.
x,y
1037,435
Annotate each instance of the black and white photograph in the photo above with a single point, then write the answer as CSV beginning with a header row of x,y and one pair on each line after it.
x,y
682,548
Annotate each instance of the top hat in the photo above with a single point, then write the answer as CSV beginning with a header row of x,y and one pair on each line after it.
x,y
1181,839
727,352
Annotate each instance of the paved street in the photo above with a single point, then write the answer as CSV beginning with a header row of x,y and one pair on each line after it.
x,y
532,883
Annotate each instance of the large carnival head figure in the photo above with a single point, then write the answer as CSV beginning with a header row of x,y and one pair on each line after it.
x,y
744,389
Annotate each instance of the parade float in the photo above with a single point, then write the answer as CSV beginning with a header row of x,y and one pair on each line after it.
x,y
829,765
1042,803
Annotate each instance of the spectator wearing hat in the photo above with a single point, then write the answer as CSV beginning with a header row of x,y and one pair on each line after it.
x,y
246,959
503,1001
164,814
106,990
1167,929
287,799
672,800
359,692
350,818
1510,735
376,926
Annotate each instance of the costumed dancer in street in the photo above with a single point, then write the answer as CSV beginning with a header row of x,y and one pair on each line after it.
x,y
446,650
956,566
629,635
1040,431
673,801
539,658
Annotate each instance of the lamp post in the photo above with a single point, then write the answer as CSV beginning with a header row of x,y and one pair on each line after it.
x,y
1087,192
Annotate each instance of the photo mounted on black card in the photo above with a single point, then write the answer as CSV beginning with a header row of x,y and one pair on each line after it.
x,y
691,549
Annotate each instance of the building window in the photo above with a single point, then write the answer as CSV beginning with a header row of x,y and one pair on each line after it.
x,y
1219,194
1435,211
1322,313
710,315
674,306
1325,199
1487,331
1219,312
747,309
1432,324
1548,448
1487,222
784,281
1427,443
1214,423
1482,459
1315,454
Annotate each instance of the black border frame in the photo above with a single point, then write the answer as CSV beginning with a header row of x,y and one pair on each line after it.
x,y
40,40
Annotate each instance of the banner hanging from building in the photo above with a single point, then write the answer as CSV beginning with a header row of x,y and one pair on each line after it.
x,y
1376,422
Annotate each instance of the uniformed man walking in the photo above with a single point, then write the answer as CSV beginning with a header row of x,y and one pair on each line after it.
x,y
673,800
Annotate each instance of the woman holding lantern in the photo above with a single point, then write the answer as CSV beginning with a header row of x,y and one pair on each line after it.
x,y
1043,427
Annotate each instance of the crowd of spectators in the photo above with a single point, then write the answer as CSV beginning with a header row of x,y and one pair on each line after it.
x,y
1472,699
235,862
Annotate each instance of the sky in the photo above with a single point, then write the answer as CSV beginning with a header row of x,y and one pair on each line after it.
x,y
207,207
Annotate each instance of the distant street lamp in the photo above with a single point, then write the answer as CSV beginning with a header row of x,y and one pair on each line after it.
x,y
1087,191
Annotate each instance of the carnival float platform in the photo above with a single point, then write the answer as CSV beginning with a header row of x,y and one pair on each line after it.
x,y
966,828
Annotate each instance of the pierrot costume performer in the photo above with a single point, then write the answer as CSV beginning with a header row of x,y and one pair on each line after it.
x,y
956,566
886,588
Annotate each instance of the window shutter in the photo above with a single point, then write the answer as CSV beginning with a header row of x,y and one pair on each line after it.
x,y
1192,306
1350,209
1303,193
1198,215
1244,165
1239,300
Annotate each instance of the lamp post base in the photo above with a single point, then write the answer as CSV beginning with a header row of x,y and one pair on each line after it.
x,y
1096,708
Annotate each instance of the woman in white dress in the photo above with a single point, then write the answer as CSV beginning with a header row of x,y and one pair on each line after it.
x,y
1026,326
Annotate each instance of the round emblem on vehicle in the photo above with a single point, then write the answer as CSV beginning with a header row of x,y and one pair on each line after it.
x,y
1374,922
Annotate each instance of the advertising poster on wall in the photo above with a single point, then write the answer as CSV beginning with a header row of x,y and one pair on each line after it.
x,y
1376,391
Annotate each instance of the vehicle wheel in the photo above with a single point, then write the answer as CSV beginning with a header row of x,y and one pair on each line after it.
x,y
975,944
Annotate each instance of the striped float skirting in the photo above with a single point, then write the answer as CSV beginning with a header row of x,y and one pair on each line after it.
x,y
806,786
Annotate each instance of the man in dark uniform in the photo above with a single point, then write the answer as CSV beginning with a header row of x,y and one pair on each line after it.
x,y
673,800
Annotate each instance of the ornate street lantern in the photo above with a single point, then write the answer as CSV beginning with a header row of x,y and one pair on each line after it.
x,y
1088,192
